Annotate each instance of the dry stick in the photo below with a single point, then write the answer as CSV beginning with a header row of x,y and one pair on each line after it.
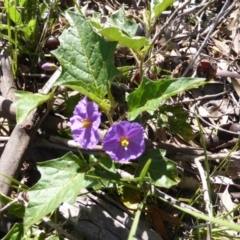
x,y
177,36
213,26
234,156
222,17
218,128
51,123
204,186
182,6
198,8
17,146
66,145
172,200
56,142
7,109
204,97
206,196
8,86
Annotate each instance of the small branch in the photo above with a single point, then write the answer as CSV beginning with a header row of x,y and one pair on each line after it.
x,y
206,196
21,138
65,145
218,128
182,6
206,38
7,109
204,186
235,156
205,97
172,200
7,83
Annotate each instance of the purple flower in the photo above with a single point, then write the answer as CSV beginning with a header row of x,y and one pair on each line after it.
x,y
84,124
124,141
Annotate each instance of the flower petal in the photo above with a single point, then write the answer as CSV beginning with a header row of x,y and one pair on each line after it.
x,y
90,139
86,136
133,132
81,109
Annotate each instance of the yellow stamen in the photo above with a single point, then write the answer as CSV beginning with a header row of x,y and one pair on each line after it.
x,y
86,123
124,142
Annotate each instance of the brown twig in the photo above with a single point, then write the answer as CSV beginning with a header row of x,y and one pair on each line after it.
x,y
8,86
21,138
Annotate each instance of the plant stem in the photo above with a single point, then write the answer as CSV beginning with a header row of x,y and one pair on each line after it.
x,y
134,226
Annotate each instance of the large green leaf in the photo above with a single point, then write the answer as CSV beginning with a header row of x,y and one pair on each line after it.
x,y
61,181
115,34
86,60
27,102
150,94
162,171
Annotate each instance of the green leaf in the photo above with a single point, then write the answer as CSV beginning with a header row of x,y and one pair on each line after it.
x,y
163,172
145,168
16,233
29,29
150,94
86,60
108,164
158,6
115,34
28,10
118,19
126,69
27,102
12,11
61,181
104,171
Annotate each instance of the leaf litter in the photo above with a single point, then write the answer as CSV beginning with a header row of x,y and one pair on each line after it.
x,y
194,127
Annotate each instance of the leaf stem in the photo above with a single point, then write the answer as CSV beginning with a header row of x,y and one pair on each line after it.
x,y
135,56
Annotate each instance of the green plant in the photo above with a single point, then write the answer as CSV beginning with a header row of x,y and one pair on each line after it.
x,y
86,55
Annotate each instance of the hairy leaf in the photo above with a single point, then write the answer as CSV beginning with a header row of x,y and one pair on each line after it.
x,y
150,94
86,60
115,34
61,181
27,102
